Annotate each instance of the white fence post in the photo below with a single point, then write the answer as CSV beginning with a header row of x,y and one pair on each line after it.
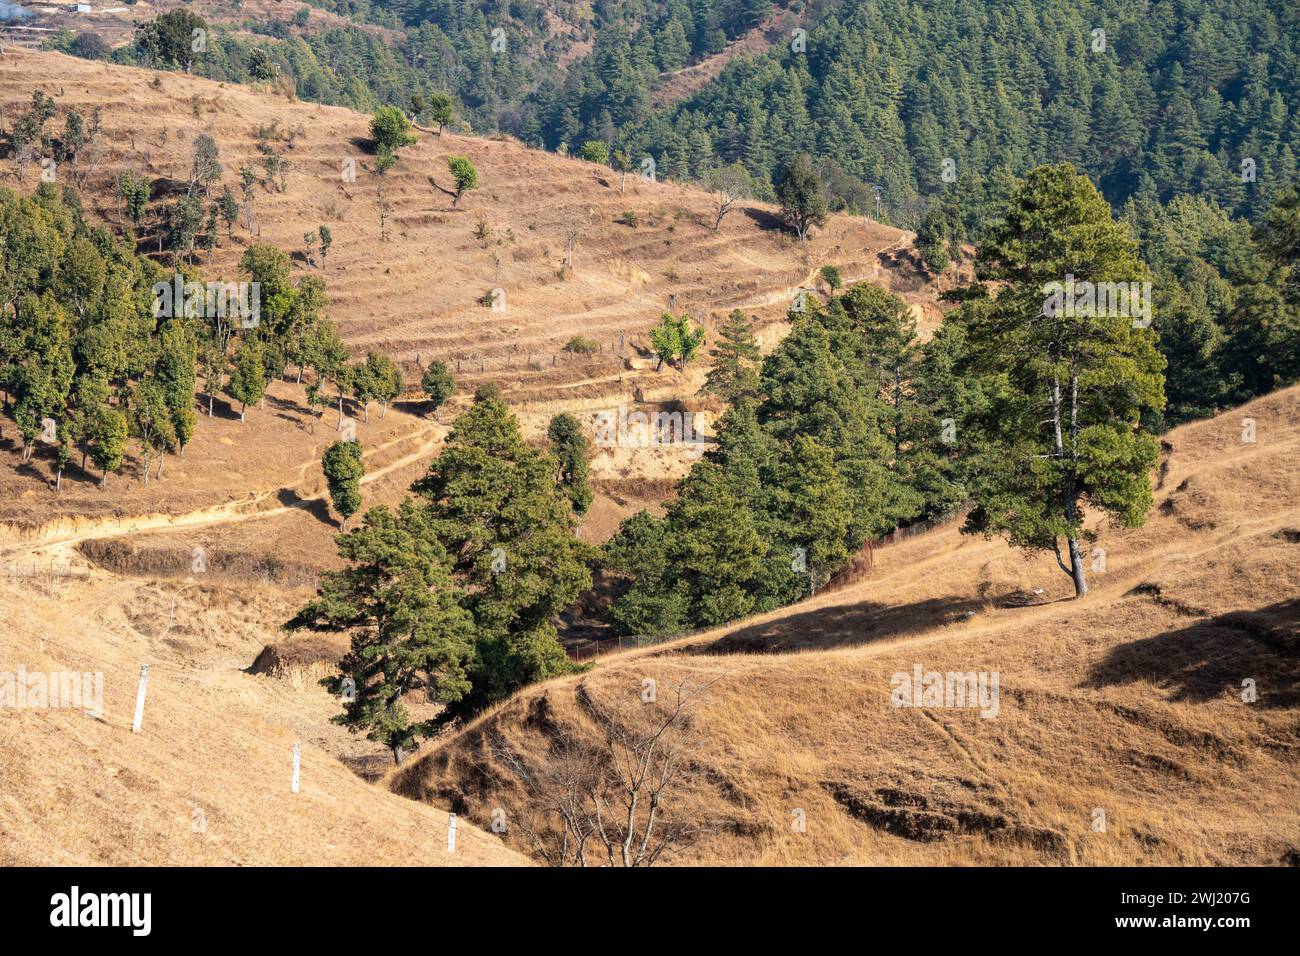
x,y
139,698
451,833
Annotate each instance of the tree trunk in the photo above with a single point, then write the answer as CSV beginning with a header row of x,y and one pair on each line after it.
x,y
1071,503
58,481
366,419
209,405
146,469
103,479
1069,491
385,411
162,457
1076,569
242,412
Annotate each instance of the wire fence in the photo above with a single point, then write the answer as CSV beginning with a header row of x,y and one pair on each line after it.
x,y
36,569
860,566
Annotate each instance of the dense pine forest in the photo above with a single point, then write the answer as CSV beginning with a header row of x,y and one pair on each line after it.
x,y
921,100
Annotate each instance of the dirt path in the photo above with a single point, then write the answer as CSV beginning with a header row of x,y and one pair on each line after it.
x,y
57,542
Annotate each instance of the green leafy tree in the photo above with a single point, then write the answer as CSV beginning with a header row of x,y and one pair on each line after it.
x,y
440,109
328,359
42,382
363,385
108,436
169,41
186,221
385,378
390,130
326,240
622,163
799,193
248,377
815,506
594,151
938,235
438,384
151,422
698,569
676,340
176,376
135,196
213,363
653,601
497,509
344,470
464,175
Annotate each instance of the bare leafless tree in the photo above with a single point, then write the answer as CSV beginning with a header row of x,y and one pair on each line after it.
x,y
645,757
605,801
571,234
556,821
729,185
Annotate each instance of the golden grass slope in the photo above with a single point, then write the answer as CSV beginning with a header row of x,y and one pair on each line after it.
x,y
416,294
1127,703
207,780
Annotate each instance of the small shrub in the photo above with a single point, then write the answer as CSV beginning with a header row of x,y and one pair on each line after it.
x,y
581,345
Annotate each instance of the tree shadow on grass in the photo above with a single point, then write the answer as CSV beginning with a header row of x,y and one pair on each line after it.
x,y
421,408
844,625
1205,659
284,404
318,508
763,218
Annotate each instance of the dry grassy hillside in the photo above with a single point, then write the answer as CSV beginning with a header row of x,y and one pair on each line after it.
x,y
207,780
115,23
1128,701
416,294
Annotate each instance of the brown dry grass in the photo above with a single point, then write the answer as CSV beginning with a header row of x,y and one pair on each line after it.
x,y
215,745
417,293
414,295
1126,701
